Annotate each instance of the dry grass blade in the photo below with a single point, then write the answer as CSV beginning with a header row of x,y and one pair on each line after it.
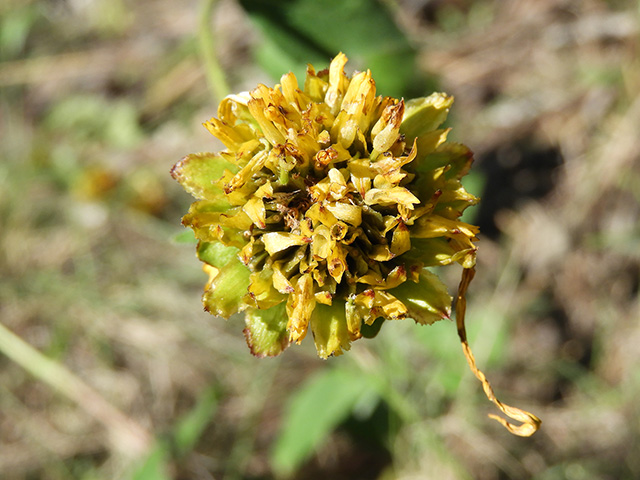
x,y
125,434
530,423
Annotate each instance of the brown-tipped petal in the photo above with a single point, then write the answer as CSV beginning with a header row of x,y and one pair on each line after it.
x,y
351,214
390,196
275,242
254,208
385,132
337,262
300,306
401,240
338,83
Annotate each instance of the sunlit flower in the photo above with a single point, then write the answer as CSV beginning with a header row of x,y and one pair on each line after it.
x,y
326,210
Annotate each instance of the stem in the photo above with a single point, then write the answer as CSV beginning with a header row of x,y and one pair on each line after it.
x,y
125,434
215,76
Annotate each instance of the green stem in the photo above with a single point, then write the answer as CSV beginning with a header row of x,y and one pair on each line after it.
x,y
126,435
215,76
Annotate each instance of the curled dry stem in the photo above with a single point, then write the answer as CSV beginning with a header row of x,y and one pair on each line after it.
x,y
529,422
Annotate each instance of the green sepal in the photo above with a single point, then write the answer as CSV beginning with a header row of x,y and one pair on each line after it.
x,y
329,326
266,332
224,292
199,174
427,301
428,142
216,254
421,115
455,156
430,251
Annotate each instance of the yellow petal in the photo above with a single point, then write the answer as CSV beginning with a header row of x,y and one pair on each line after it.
x,y
280,280
244,175
337,262
258,107
254,208
323,243
432,226
277,241
232,137
338,231
385,132
300,306
338,83
319,214
401,240
261,293
324,298
352,214
390,196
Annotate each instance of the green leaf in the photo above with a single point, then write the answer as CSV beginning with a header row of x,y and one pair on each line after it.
x,y
266,331
297,32
198,174
224,294
15,25
284,50
318,407
192,425
155,466
95,118
427,301
185,436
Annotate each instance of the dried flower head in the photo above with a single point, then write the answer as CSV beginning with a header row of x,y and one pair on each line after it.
x,y
326,209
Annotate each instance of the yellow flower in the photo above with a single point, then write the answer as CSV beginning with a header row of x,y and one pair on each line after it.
x,y
327,208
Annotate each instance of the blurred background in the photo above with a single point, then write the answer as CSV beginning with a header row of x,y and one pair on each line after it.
x,y
99,98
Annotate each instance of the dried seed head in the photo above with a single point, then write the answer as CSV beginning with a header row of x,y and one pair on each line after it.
x,y
323,201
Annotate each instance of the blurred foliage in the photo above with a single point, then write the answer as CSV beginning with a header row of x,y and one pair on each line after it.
x,y
181,441
98,99
316,409
301,32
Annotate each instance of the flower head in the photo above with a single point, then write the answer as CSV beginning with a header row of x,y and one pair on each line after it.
x,y
326,210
